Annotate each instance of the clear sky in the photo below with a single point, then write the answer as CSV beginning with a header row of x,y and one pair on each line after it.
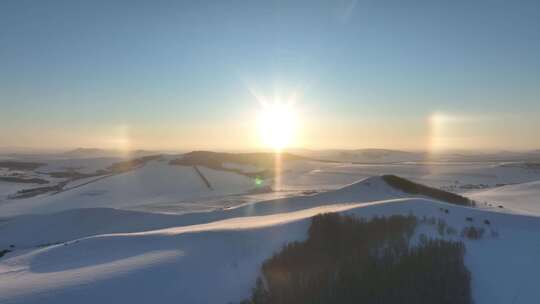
x,y
191,74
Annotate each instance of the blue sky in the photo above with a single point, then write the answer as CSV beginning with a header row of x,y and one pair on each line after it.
x,y
178,74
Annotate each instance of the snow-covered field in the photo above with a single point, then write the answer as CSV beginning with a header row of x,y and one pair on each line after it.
x,y
160,187
156,182
159,233
524,197
456,176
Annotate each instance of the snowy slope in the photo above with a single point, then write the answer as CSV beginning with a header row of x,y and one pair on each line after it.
x,y
218,262
156,182
34,230
523,197
27,231
7,188
115,254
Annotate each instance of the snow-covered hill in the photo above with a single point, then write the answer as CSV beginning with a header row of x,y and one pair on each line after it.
x,y
96,241
37,229
218,262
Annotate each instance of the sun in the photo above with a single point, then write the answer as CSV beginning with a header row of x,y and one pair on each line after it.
x,y
277,125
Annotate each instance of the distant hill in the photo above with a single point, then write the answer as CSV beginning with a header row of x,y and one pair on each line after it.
x,y
262,162
18,165
363,155
96,152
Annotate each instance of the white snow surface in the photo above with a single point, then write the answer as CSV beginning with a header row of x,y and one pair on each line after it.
x,y
523,198
312,174
38,229
109,251
218,262
156,182
159,187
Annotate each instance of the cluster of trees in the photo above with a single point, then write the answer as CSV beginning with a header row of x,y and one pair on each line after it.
x,y
414,188
349,260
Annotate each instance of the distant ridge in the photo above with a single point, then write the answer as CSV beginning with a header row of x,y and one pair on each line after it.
x,y
215,160
371,155
96,152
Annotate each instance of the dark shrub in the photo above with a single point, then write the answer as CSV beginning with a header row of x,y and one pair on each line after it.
x,y
3,252
472,233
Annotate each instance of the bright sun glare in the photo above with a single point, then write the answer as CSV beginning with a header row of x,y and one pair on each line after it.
x,y
277,125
